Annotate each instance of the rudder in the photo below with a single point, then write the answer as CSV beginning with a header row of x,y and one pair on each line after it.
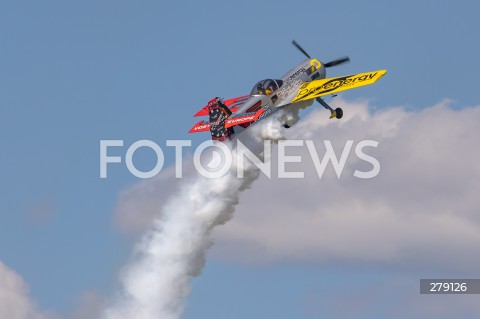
x,y
218,113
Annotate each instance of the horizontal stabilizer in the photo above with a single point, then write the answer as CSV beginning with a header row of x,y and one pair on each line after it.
x,y
201,126
232,104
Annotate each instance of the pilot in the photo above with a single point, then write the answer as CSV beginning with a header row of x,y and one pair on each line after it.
x,y
260,89
269,90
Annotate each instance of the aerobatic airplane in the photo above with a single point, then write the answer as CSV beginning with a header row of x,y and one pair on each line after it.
x,y
298,88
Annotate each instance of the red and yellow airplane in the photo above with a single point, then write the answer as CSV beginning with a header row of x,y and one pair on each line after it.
x,y
300,87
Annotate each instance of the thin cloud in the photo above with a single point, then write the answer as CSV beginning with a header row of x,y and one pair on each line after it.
x,y
15,301
41,212
421,210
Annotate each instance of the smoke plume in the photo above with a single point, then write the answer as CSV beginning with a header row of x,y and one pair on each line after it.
x,y
157,280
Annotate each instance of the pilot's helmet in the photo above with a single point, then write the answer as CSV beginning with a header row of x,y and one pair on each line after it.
x,y
269,88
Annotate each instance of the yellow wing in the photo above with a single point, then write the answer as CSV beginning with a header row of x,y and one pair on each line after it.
x,y
317,88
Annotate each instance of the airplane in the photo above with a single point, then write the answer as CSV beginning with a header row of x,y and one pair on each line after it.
x,y
299,88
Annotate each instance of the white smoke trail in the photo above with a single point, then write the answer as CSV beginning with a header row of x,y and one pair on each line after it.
x,y
158,278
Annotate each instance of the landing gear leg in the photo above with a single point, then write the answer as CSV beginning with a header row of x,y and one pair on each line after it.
x,y
337,113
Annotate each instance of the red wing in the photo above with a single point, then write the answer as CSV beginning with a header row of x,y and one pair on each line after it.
x,y
232,104
242,119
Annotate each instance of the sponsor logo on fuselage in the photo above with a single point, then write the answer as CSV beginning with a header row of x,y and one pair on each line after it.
x,y
289,88
291,83
294,75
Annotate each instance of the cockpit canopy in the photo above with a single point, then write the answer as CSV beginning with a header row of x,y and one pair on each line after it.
x,y
266,87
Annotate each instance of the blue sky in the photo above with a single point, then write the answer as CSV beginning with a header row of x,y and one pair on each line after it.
x,y
73,73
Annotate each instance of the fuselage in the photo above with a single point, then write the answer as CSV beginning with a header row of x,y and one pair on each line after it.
x,y
283,90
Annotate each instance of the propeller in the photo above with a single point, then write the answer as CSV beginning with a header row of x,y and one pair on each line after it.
x,y
327,65
300,48
337,61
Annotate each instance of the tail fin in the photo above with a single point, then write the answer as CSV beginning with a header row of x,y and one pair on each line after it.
x,y
218,113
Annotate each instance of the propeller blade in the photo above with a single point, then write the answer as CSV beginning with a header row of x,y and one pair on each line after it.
x,y
337,61
295,44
